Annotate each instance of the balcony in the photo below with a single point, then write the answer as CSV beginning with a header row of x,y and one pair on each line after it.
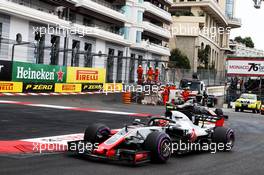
x,y
153,48
102,33
211,7
150,27
102,7
187,25
158,11
234,22
31,13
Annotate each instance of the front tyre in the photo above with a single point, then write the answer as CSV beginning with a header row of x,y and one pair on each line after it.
x,y
96,133
159,145
225,137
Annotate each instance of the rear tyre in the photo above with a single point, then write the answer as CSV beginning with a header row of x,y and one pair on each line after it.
x,y
159,145
96,133
254,111
236,109
225,137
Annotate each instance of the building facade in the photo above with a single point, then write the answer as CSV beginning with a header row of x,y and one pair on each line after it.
x,y
117,35
240,50
203,24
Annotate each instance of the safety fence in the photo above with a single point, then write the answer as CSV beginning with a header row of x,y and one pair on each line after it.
x,y
210,77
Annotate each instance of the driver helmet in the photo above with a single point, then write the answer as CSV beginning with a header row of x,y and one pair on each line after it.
x,y
163,122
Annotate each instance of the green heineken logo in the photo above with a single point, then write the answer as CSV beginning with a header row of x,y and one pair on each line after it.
x,y
27,72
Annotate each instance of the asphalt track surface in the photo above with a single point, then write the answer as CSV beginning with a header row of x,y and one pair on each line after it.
x,y
23,122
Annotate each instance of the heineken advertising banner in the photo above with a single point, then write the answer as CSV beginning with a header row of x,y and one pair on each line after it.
x,y
88,87
5,70
38,73
38,87
85,75
7,86
59,87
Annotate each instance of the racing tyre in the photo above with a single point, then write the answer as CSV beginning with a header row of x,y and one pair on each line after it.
x,y
224,136
96,133
159,145
236,109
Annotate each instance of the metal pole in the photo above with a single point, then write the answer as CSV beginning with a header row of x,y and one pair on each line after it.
x,y
126,65
260,89
13,52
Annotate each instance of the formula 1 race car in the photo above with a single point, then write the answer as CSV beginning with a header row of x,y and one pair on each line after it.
x,y
154,140
191,109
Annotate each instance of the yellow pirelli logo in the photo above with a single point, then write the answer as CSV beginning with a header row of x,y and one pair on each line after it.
x,y
6,86
59,87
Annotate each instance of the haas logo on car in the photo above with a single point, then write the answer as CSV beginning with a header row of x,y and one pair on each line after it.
x,y
87,75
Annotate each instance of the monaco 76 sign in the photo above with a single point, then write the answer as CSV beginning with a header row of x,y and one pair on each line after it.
x,y
245,67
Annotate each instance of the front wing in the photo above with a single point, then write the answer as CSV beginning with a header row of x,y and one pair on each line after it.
x,y
131,156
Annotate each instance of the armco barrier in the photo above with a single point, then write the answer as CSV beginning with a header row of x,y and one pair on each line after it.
x,y
24,77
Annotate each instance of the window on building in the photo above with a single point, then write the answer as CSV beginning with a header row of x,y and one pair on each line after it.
x,y
126,33
88,58
139,16
229,8
132,68
75,53
120,66
139,37
55,46
110,66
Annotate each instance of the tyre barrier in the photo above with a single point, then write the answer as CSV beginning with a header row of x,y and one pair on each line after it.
x,y
127,97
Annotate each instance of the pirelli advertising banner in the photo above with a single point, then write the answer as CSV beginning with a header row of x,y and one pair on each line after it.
x,y
38,87
59,87
8,86
38,73
85,75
